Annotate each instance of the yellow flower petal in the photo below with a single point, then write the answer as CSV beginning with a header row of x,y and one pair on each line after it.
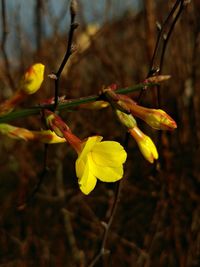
x,y
88,145
108,153
87,180
107,174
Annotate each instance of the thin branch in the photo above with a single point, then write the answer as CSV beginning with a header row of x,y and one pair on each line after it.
x,y
103,251
3,44
161,39
77,254
164,35
73,26
39,183
67,104
167,35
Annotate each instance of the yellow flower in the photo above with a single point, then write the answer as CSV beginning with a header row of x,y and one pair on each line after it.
x,y
32,79
96,159
145,144
102,160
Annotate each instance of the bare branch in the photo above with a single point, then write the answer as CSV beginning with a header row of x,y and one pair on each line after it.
x,y
73,26
165,31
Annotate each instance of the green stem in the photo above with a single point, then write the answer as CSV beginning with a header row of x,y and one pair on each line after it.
x,y
67,104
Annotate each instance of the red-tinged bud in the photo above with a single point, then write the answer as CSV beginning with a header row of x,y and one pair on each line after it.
x,y
156,118
8,105
32,79
46,136
160,120
158,78
56,124
30,83
15,132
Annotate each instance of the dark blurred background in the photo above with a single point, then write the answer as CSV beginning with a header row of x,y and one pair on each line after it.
x,y
158,217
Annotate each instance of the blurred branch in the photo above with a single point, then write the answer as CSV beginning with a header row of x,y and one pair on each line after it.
x,y
55,21
3,44
77,254
150,19
38,23
164,34
73,26
67,104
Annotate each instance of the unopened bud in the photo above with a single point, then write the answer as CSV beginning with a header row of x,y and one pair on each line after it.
x,y
160,120
95,105
73,7
145,144
32,79
46,136
55,123
126,119
158,79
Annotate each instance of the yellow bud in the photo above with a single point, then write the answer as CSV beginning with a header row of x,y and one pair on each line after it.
x,y
126,119
145,144
95,105
32,79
